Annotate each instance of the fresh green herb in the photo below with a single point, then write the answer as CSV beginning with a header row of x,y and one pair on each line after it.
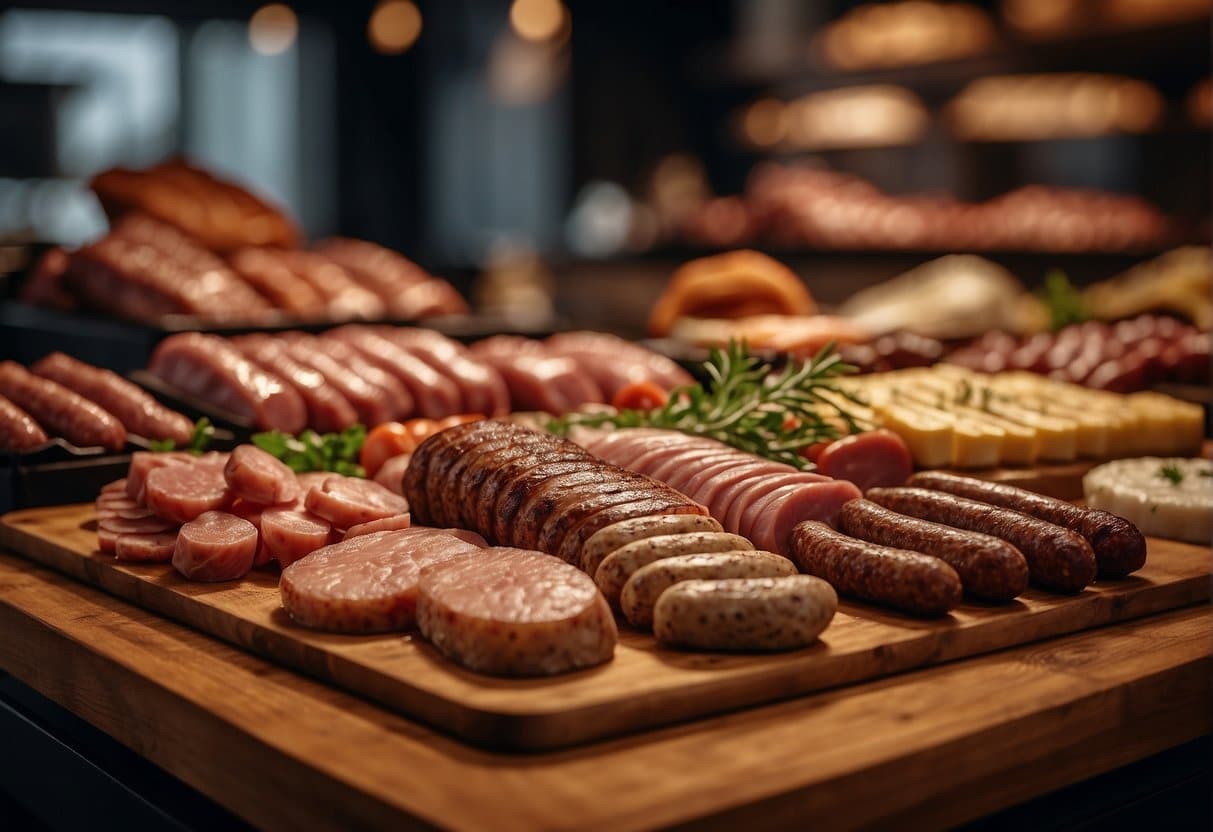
x,y
1172,473
204,431
748,407
311,451
1064,303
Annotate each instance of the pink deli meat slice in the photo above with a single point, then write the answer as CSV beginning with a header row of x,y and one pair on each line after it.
x,y
387,524
252,512
115,487
256,476
107,541
391,473
145,525
146,548
142,463
348,501
215,546
513,612
291,533
367,584
182,492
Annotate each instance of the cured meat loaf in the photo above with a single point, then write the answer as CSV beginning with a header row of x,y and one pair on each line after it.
x,y
512,612
367,584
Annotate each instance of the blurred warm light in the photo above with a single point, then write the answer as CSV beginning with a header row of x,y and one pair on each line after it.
x,y
911,32
272,29
1199,103
1050,18
1025,107
868,116
765,123
538,20
394,26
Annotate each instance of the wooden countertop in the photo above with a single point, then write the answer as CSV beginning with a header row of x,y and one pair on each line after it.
x,y
938,746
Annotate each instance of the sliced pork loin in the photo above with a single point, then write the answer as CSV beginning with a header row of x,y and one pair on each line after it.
x,y
348,501
512,612
215,546
367,584
756,498
256,476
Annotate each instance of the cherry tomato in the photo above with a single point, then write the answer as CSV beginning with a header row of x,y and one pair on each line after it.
x,y
420,429
384,442
813,452
639,395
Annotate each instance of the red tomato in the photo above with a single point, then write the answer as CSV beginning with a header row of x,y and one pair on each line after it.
x,y
420,429
384,442
813,452
639,395
871,459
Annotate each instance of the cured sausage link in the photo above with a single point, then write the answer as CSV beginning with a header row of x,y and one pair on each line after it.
x,y
898,578
59,410
1058,559
1119,546
18,430
990,569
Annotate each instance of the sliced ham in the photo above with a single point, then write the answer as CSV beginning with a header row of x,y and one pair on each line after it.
x,y
348,501
115,487
252,512
142,462
215,546
367,584
254,475
146,525
107,541
182,492
513,612
391,474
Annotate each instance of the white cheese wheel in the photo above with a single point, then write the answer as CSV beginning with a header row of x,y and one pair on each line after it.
x,y
1179,506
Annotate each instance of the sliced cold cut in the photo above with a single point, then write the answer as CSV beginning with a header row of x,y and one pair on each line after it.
x,y
367,584
254,475
348,501
156,547
512,612
182,492
215,546
873,459
142,463
749,614
289,533
396,523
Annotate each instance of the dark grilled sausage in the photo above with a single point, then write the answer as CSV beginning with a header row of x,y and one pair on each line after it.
x,y
415,476
990,569
1058,559
898,578
18,430
59,410
1119,546
139,413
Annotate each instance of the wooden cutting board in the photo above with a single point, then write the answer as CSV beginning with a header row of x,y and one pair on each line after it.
x,y
644,686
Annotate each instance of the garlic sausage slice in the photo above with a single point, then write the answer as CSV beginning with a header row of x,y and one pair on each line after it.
x,y
745,614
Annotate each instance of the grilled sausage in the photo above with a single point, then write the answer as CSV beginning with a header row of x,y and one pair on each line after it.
x,y
745,613
898,578
59,410
1058,559
989,568
1119,546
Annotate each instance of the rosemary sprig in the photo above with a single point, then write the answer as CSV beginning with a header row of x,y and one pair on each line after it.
x,y
745,405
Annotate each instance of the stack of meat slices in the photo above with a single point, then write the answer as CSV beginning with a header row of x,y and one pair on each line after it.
x,y
750,496
83,404
216,516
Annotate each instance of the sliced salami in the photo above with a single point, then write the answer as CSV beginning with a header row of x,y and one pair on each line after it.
x,y
215,546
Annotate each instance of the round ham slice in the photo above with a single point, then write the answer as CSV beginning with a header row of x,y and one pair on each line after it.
x,y
143,463
290,533
147,525
107,541
367,584
146,548
182,492
252,513
347,501
215,546
115,487
391,474
388,524
256,476
513,612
